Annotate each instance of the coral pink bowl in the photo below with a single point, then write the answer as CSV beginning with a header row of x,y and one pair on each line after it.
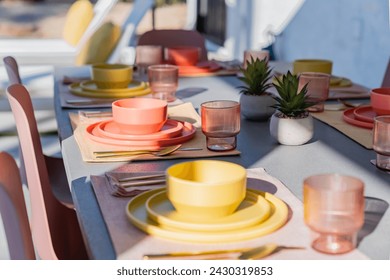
x,y
380,101
182,56
139,115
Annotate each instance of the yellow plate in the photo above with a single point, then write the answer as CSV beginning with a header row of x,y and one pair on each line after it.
x,y
133,86
254,209
77,90
340,82
136,213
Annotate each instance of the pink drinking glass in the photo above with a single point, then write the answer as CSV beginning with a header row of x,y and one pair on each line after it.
x,y
147,55
334,211
317,89
163,80
260,54
381,141
221,124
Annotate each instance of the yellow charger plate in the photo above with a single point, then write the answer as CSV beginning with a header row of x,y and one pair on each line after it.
x,y
137,215
254,209
133,86
340,82
77,90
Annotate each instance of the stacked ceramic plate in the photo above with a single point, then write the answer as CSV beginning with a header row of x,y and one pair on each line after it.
x,y
207,201
140,123
258,214
90,89
362,116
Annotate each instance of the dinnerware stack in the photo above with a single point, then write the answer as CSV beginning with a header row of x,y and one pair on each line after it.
x,y
110,81
140,123
207,201
363,116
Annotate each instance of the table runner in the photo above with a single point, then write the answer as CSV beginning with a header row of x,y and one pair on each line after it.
x,y
363,136
132,243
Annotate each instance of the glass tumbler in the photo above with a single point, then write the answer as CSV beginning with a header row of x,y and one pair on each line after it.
x,y
163,81
145,56
317,89
381,141
253,54
334,211
221,124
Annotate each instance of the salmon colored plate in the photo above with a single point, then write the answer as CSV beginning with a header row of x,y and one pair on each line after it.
x,y
365,113
350,118
133,86
202,67
77,90
187,133
110,129
253,210
137,214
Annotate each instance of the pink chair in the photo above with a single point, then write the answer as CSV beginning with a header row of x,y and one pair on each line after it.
x,y
13,211
386,78
56,169
174,37
55,229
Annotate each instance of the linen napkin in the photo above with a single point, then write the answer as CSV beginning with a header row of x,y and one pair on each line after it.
x,y
183,112
132,243
363,136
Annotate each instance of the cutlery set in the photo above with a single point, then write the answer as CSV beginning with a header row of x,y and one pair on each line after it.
x,y
133,185
240,254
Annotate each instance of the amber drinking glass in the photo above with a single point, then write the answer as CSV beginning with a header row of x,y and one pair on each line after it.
x,y
221,124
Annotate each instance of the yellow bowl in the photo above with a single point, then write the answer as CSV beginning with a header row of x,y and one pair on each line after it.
x,y
111,76
206,189
312,65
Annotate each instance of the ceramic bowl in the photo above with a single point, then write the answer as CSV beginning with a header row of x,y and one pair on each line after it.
x,y
111,76
139,115
380,101
182,55
312,65
206,189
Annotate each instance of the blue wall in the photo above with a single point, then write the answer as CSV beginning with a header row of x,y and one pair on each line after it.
x,y
354,34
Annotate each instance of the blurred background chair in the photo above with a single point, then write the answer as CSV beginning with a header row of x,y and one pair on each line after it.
x,y
174,37
13,211
54,166
58,51
55,229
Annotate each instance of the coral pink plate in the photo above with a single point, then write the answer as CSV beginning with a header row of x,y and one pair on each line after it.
x,y
201,67
110,129
365,113
349,117
187,133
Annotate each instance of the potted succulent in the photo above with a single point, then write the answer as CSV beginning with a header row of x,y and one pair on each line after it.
x,y
291,124
256,102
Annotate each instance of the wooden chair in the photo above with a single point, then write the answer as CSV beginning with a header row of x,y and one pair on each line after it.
x,y
55,229
13,211
174,37
56,169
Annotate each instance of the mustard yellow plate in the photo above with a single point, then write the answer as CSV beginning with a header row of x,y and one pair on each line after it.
x,y
76,89
340,82
254,209
133,86
137,215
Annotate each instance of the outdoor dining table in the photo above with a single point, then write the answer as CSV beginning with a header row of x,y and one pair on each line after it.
x,y
328,152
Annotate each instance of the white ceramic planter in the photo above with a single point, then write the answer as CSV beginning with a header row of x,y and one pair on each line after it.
x,y
290,131
257,107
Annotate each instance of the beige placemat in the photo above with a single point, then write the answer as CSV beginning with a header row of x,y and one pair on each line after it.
x,y
132,243
363,136
183,112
